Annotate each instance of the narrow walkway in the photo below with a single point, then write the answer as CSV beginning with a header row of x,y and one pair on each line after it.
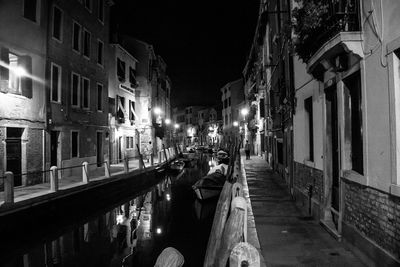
x,y
27,192
286,239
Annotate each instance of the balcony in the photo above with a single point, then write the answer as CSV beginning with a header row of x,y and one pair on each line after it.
x,y
320,23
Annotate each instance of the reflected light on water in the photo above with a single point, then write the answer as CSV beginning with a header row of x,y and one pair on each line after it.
x,y
168,197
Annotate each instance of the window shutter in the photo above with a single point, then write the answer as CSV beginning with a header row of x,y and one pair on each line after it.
x,y
26,81
4,72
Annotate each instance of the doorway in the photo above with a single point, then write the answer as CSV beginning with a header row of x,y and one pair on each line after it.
x,y
14,153
99,150
332,167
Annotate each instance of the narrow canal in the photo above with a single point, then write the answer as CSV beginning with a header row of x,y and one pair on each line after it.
x,y
131,233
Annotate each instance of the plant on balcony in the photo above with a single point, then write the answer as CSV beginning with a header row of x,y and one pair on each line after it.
x,y
310,20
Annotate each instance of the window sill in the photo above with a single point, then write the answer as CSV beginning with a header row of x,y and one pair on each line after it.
x,y
55,102
57,40
309,163
354,177
395,190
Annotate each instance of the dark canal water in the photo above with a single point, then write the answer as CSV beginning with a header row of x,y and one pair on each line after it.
x,y
132,233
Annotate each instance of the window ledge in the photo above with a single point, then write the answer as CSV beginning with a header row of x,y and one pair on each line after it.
x,y
354,177
309,163
395,190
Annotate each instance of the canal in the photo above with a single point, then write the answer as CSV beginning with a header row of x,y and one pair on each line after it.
x,y
130,232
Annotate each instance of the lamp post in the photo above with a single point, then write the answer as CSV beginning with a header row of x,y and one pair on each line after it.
x,y
244,112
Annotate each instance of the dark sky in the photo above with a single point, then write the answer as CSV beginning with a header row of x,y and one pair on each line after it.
x,y
204,43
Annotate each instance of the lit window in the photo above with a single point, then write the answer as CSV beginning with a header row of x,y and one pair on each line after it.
x,y
16,78
76,37
30,9
14,81
75,88
55,86
86,43
85,93
57,23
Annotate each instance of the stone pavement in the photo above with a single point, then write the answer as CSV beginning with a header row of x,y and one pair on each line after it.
x,y
285,237
27,192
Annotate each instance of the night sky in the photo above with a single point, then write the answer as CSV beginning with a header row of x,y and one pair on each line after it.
x,y
204,43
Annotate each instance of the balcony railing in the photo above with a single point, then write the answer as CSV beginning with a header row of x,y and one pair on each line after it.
x,y
334,16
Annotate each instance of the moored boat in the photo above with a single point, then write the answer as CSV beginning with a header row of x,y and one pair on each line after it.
x,y
209,186
176,166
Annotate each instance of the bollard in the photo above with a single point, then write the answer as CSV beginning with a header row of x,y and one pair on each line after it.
x,y
159,157
240,202
233,233
165,155
126,165
53,179
151,159
141,164
9,188
85,172
244,253
107,173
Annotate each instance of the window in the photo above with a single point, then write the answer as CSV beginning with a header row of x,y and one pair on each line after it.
x,y
121,70
86,43
75,88
131,110
132,77
76,37
279,147
57,23
99,97
309,126
88,4
353,122
85,93
100,13
100,47
16,79
74,144
30,9
129,142
229,101
55,83
120,109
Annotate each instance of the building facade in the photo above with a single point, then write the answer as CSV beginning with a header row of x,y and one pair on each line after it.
x,y
232,102
76,72
121,91
23,89
331,114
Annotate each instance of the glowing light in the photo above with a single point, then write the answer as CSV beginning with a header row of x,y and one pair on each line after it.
x,y
120,219
158,230
157,111
168,197
19,71
167,121
176,126
244,111
235,123
210,128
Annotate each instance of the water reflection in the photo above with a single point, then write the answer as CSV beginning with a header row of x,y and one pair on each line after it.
x,y
134,232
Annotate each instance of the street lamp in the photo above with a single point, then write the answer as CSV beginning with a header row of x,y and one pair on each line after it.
x,y
167,121
176,126
157,111
244,112
235,124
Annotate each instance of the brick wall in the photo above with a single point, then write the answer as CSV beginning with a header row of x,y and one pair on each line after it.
x,y
34,155
305,176
375,214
